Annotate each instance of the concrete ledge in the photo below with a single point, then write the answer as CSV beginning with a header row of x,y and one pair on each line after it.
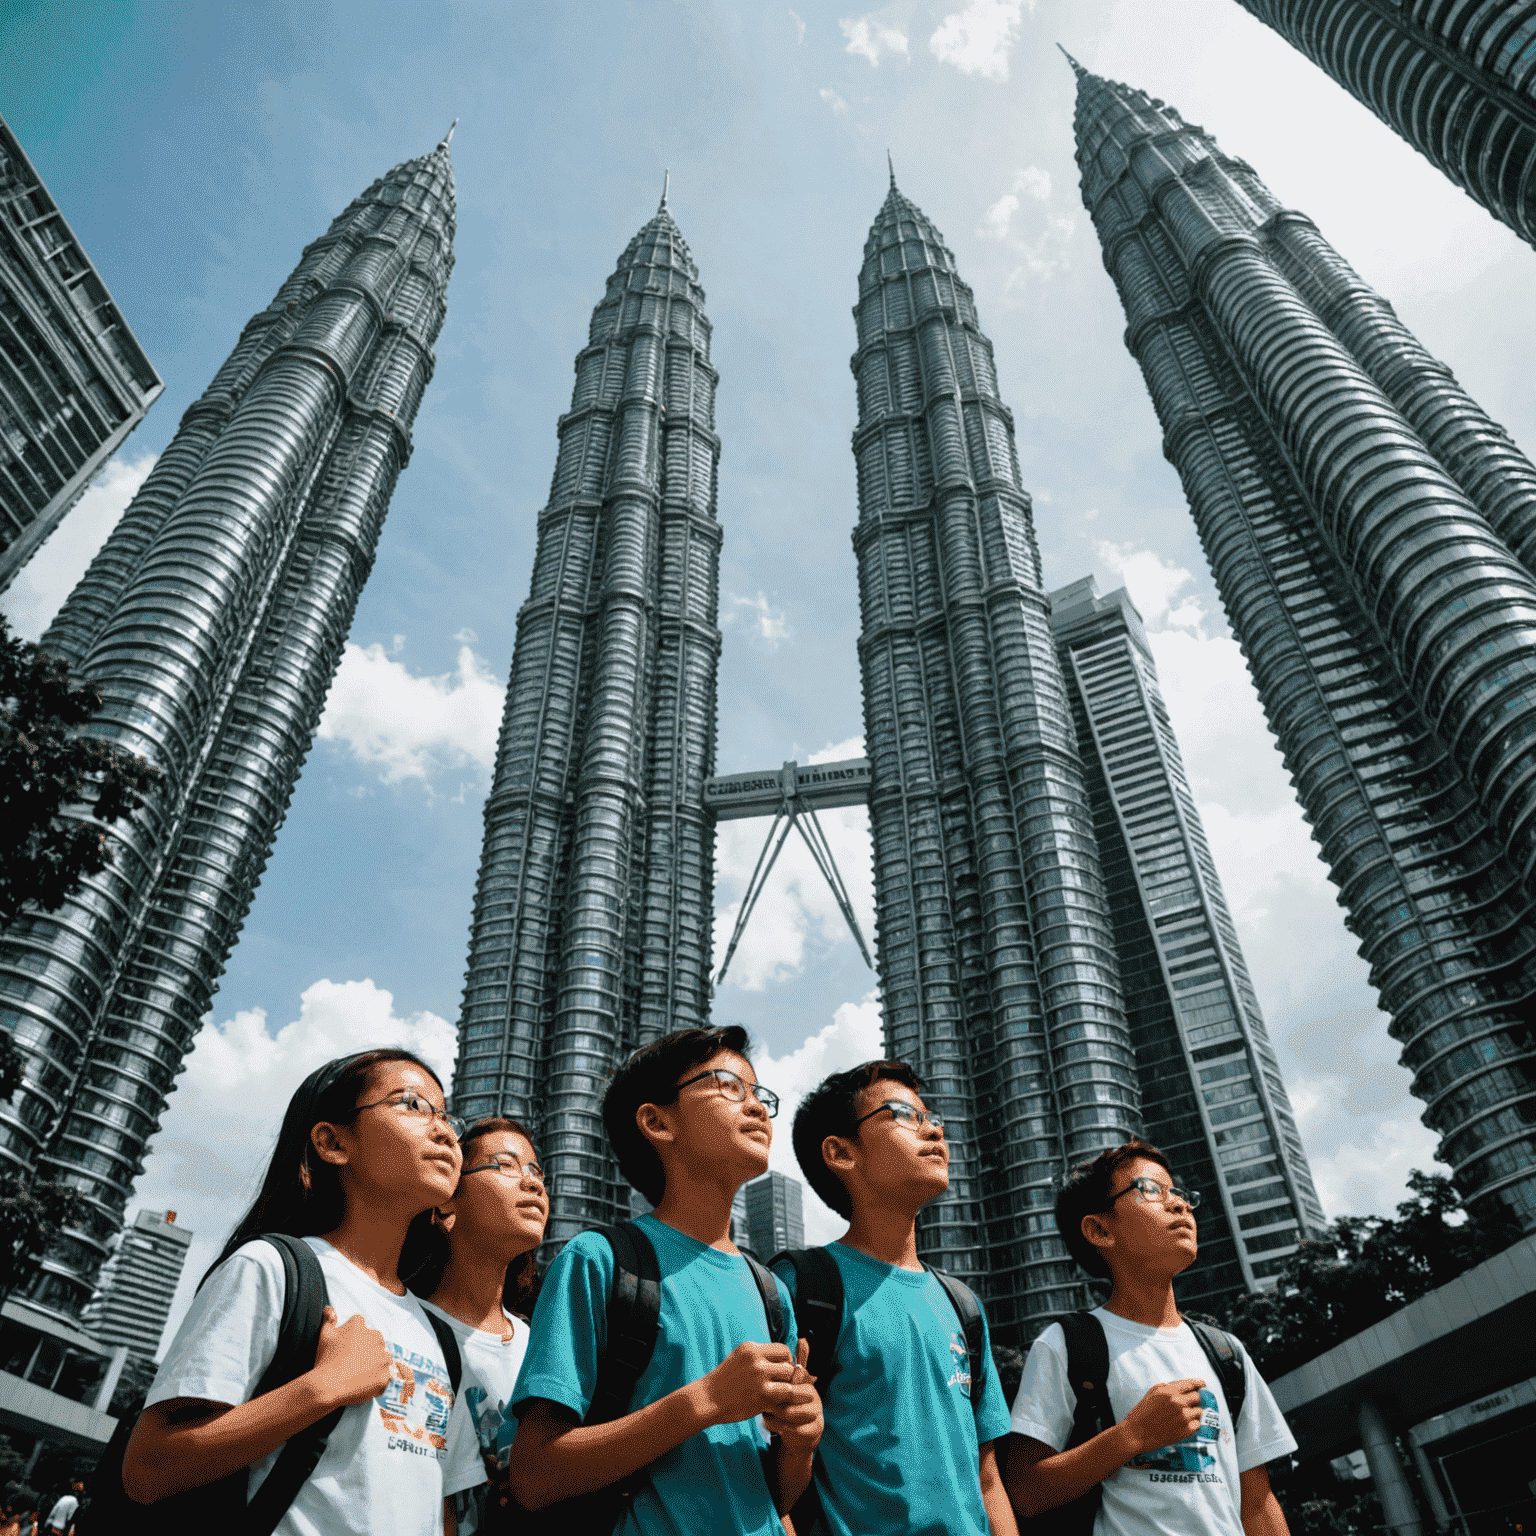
x,y
28,1409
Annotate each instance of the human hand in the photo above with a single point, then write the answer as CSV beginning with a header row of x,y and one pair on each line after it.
x,y
1170,1412
752,1379
798,1422
352,1362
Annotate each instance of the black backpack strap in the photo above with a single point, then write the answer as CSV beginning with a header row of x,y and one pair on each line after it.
x,y
1227,1361
1087,1375
634,1320
773,1303
973,1325
818,1308
448,1342
298,1337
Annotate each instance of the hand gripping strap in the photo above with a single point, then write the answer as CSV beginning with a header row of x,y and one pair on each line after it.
x,y
972,1323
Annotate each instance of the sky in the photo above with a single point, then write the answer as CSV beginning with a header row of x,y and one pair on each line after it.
x,y
196,148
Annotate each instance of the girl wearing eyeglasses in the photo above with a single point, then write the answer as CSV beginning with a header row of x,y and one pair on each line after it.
x,y
481,1281
365,1148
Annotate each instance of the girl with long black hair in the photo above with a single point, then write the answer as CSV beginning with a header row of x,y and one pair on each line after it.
x,y
480,1278
365,1148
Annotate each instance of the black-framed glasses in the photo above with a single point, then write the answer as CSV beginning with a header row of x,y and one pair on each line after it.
x,y
508,1163
418,1108
1150,1189
734,1087
906,1114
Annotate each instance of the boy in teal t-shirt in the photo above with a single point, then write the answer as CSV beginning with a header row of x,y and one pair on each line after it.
x,y
688,1125
907,1445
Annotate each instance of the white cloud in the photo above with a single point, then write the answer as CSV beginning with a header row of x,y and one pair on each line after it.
x,y
1030,182
765,621
209,1156
833,100
43,583
999,216
852,1037
1154,584
976,40
412,727
799,27
869,38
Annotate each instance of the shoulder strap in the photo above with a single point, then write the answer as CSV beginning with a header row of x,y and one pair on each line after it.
x,y
448,1342
1226,1361
773,1303
1088,1375
634,1319
818,1308
972,1323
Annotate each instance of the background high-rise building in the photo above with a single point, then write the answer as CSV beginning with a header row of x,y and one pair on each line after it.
x,y
213,619
1372,535
1211,1092
133,1298
73,380
774,1214
1457,80
593,912
996,952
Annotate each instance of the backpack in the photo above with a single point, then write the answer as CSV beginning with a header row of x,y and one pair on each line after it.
x,y
634,1324
221,1506
819,1318
1087,1373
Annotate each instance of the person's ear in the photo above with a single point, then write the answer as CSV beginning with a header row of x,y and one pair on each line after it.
x,y
1095,1227
838,1153
655,1124
325,1138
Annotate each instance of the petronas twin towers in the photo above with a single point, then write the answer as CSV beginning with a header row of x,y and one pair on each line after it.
x,y
1055,954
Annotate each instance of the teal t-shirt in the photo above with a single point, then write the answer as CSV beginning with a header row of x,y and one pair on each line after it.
x,y
901,1446
710,1303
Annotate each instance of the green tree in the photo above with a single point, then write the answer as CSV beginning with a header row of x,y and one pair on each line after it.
x,y
31,1217
46,765
1362,1269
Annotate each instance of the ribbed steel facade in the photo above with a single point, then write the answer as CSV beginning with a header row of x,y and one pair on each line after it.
x,y
214,618
74,382
1212,1097
996,953
1372,536
592,920
1456,78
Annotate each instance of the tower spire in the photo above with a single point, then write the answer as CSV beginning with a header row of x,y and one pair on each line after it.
x,y
892,165
447,138
666,183
1077,69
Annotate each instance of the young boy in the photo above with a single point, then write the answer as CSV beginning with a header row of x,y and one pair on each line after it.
x,y
689,1125
1173,1462
909,1435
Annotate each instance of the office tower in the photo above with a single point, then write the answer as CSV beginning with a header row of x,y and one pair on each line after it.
x,y
1371,533
996,953
73,380
1457,80
138,1283
775,1217
214,618
591,928
1211,1093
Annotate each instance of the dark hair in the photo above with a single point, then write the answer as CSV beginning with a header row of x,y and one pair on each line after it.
x,y
427,1246
301,1195
831,1109
1087,1191
650,1076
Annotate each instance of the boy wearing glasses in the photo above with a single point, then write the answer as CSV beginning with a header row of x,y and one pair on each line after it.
x,y
688,1125
909,1434
1173,1461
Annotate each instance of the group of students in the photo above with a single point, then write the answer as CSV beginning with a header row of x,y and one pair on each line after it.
x,y
664,1382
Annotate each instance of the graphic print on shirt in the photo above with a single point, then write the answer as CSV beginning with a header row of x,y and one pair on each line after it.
x,y
495,1427
961,1358
416,1404
1196,1453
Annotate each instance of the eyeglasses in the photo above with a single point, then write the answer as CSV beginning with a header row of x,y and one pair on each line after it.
x,y
906,1114
418,1108
734,1087
508,1163
1158,1194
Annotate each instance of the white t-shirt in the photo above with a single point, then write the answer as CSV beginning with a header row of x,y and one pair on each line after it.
x,y
1184,1488
389,1462
491,1364
62,1513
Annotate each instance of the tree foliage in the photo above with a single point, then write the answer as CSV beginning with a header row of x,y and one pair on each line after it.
x,y
1363,1269
31,1216
46,765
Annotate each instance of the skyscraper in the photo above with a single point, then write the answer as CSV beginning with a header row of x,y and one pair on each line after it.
x,y
1371,533
138,1284
1458,81
214,618
592,920
775,1214
73,380
1211,1093
996,952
